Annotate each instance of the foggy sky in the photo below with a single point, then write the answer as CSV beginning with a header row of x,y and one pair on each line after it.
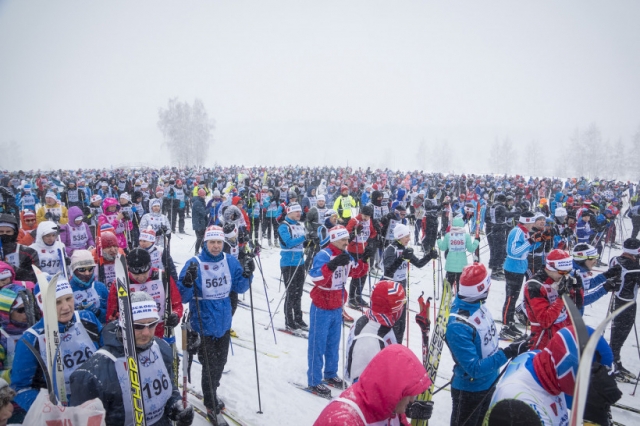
x,y
322,82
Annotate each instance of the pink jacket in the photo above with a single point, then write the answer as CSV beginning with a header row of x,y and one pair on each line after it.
x,y
394,373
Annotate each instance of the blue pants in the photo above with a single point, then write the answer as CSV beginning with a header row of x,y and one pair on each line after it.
x,y
325,327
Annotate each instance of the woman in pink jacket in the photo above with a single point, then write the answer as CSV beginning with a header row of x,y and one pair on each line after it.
x,y
115,218
385,393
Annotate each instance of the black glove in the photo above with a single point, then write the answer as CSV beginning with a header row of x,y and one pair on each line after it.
x,y
359,228
433,254
181,415
613,272
516,348
612,284
47,215
248,266
603,390
368,252
536,237
567,232
193,342
342,259
424,323
566,283
438,235
191,275
407,253
420,410
86,211
172,320
308,243
125,215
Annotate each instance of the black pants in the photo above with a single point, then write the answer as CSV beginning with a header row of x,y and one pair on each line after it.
x,y
430,233
293,278
233,297
498,247
310,252
199,238
512,292
401,323
416,230
179,213
266,228
635,221
454,278
212,353
621,327
535,263
469,408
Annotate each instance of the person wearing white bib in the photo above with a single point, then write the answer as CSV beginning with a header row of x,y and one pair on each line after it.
x,y
14,322
76,235
52,210
458,242
88,293
79,339
473,341
396,259
156,220
105,377
394,377
361,233
51,252
205,284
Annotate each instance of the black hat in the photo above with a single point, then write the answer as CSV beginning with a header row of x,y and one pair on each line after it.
x,y
401,208
367,210
631,246
138,261
501,198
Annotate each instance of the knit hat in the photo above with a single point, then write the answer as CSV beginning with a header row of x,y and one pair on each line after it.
x,y
230,230
584,251
561,212
216,193
148,235
367,210
631,246
320,198
400,208
154,202
387,300
81,259
293,207
63,288
202,192
337,233
28,213
126,196
527,217
474,282
138,261
401,231
142,307
559,260
108,239
329,213
96,198
214,233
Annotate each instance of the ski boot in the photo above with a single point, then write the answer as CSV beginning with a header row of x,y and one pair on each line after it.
x,y
510,332
336,382
623,375
302,325
320,390
232,333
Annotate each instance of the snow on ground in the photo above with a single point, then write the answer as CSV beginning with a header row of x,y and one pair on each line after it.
x,y
283,404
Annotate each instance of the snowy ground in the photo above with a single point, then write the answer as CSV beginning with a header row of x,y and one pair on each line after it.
x,y
283,404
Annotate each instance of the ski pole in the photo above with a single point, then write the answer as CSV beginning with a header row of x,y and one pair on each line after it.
x,y
406,307
255,349
264,282
442,387
185,365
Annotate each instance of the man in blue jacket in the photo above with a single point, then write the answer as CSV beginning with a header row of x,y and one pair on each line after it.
x,y
473,342
205,283
292,236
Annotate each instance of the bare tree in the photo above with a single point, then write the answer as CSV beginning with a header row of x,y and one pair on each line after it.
x,y
187,131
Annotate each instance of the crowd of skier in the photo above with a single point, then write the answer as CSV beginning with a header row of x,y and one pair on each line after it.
x,y
340,227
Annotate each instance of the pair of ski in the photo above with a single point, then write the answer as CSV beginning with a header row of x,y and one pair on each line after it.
x,y
316,393
222,418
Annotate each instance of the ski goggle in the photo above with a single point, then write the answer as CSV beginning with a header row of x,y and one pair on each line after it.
x,y
140,326
87,269
139,269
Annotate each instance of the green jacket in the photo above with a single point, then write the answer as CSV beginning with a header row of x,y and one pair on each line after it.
x,y
458,245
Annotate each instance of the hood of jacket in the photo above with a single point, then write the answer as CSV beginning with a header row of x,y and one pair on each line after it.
x,y
394,373
73,213
44,228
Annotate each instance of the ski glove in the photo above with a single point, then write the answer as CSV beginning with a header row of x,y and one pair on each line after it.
x,y
420,410
193,341
248,267
181,415
603,391
566,283
191,275
612,284
516,348
613,272
172,320
536,237
407,253
342,259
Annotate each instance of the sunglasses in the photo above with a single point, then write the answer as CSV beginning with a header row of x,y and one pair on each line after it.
x,y
87,269
139,326
29,220
563,273
19,310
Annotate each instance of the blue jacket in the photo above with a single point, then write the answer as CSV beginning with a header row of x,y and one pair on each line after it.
x,y
518,247
26,375
290,257
471,373
365,198
101,311
592,285
215,315
583,231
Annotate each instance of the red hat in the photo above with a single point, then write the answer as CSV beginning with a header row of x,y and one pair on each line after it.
x,y
474,282
108,239
559,260
387,300
148,235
